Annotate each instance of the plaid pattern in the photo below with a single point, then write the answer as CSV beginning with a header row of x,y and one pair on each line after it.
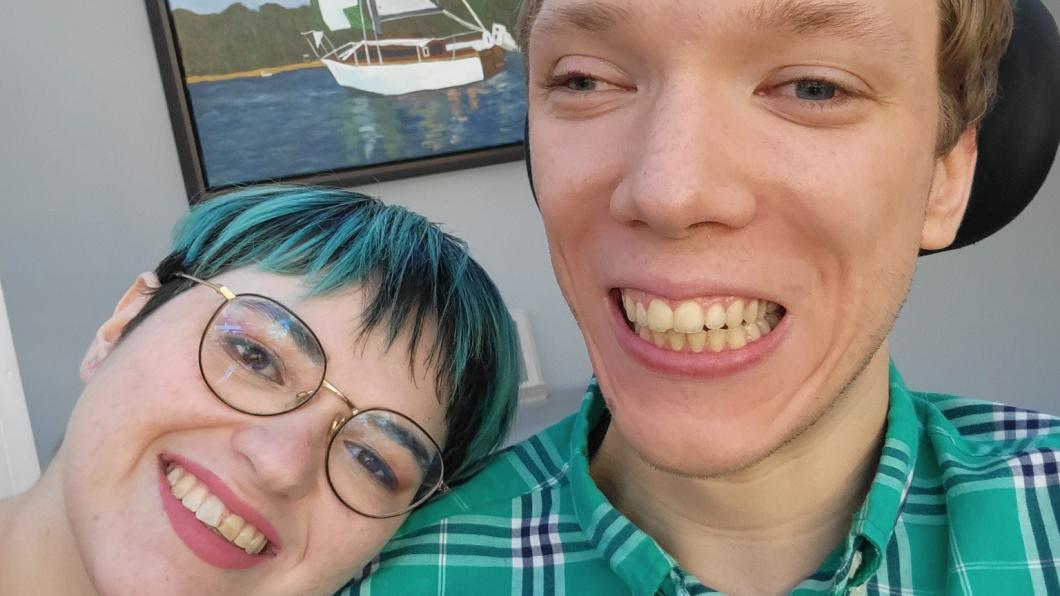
x,y
966,500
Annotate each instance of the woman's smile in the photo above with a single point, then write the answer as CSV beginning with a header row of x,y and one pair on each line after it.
x,y
248,536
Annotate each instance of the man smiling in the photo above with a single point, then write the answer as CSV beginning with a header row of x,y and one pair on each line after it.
x,y
735,195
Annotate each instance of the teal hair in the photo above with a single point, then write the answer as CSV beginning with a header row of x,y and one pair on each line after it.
x,y
413,273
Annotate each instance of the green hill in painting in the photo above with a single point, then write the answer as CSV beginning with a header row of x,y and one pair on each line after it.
x,y
240,39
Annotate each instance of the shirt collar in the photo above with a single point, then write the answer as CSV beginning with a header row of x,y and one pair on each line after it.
x,y
644,566
874,523
631,553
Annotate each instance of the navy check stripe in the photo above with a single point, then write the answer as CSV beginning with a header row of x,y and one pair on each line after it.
x,y
985,428
526,553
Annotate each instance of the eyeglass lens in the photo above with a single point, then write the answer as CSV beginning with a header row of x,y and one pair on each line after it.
x,y
380,463
261,359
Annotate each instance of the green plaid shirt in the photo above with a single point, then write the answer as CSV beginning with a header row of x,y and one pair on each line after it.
x,y
966,500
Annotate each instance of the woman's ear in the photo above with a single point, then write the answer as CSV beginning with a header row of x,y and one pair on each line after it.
x,y
951,188
130,305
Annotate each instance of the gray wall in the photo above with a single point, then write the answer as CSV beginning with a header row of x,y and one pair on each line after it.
x,y
92,187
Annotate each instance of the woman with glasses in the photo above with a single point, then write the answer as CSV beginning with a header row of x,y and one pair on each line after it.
x,y
262,410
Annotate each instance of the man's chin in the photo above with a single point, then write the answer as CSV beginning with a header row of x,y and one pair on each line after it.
x,y
697,462
693,447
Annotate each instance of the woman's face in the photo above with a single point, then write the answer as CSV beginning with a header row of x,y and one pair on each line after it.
x,y
146,406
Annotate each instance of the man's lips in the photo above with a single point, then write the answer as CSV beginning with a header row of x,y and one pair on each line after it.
x,y
701,337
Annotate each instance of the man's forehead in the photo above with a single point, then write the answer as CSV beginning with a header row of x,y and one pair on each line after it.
x,y
857,19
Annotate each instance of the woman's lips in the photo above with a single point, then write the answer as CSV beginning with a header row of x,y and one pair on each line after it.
x,y
203,540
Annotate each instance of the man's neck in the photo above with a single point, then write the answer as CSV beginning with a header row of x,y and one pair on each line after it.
x,y
766,528
38,554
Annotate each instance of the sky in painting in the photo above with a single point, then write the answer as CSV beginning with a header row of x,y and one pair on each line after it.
x,y
212,6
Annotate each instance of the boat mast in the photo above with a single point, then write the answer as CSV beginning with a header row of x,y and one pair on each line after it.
x,y
364,35
474,16
460,21
377,27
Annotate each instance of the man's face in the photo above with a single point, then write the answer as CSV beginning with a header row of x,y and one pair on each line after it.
x,y
754,175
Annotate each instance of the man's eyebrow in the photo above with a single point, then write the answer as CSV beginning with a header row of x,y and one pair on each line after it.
x,y
588,15
854,20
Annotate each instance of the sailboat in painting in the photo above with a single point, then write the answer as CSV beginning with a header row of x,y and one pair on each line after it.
x,y
396,66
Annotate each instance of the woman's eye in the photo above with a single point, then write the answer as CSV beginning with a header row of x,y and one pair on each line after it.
x,y
812,90
371,463
256,358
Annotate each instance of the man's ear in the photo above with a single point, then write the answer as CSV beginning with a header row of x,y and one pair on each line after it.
x,y
130,305
951,187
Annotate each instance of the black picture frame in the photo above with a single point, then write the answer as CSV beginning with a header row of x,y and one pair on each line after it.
x,y
189,148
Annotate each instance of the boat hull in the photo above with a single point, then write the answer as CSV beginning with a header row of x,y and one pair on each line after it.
x,y
399,79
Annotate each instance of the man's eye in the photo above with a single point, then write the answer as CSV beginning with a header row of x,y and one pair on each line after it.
x,y
577,82
371,463
813,90
581,84
255,358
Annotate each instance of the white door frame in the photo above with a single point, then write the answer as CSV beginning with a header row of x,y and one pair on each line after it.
x,y
19,466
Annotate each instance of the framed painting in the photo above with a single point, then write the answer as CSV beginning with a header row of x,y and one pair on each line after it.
x,y
338,92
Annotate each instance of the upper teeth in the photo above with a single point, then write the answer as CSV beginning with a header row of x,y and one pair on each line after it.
x,y
212,512
700,323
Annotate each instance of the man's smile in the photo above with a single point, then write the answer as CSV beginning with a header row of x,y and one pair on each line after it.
x,y
699,324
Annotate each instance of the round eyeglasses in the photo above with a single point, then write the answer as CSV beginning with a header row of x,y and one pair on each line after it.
x,y
261,359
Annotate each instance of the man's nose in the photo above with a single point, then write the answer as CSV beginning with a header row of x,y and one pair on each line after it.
x,y
684,171
286,452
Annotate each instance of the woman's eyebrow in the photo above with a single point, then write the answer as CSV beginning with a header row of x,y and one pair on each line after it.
x,y
403,437
284,319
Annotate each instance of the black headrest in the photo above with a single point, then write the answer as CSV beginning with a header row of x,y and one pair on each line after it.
x,y
1019,137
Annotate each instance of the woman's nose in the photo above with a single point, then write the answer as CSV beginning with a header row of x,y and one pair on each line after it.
x,y
286,452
